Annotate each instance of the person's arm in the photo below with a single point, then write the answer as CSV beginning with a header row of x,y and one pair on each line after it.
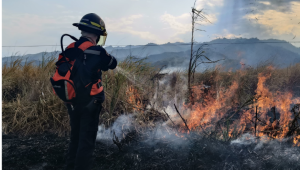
x,y
107,61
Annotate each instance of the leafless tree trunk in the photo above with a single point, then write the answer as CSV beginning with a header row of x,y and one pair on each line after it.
x,y
191,57
197,56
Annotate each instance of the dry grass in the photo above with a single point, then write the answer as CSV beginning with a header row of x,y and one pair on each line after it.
x,y
286,79
132,72
29,106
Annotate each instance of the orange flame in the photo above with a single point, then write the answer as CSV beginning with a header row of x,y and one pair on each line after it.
x,y
297,141
211,106
134,99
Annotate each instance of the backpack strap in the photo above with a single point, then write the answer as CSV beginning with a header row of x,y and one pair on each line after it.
x,y
61,58
85,45
72,45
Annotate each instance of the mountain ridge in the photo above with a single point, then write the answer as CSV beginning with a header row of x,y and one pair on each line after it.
x,y
231,52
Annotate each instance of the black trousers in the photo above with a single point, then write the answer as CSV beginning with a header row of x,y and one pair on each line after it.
x,y
84,127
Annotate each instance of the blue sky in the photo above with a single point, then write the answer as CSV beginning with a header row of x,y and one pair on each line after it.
x,y
138,22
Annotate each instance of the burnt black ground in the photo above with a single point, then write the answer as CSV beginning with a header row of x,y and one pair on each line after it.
x,y
47,152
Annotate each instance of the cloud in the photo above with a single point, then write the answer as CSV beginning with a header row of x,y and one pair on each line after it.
x,y
265,2
203,4
226,34
28,23
59,6
176,26
125,25
31,29
278,22
278,5
116,24
212,6
180,24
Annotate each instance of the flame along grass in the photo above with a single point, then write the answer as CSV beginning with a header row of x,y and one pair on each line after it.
x,y
213,108
224,106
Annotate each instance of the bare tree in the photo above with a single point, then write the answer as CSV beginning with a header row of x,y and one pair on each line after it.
x,y
197,57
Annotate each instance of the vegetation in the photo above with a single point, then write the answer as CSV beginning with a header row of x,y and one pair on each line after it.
x,y
158,138
30,107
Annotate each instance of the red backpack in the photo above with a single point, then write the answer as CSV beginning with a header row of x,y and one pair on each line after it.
x,y
67,83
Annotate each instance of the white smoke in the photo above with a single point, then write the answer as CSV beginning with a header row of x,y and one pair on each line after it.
x,y
245,139
120,127
276,150
164,133
248,139
163,100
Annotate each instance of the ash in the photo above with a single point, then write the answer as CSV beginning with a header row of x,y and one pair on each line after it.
x,y
162,148
153,149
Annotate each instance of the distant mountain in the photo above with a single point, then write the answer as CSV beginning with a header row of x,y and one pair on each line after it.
x,y
147,50
232,53
35,58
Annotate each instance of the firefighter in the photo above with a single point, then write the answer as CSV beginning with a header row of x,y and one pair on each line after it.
x,y
84,114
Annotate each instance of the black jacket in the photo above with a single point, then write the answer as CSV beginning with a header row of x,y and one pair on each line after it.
x,y
98,60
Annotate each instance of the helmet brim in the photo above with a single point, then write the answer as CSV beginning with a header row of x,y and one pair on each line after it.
x,y
76,24
89,26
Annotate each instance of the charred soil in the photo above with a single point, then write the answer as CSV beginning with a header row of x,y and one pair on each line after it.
x,y
47,152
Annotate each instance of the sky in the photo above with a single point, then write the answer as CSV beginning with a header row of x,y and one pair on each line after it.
x,y
139,22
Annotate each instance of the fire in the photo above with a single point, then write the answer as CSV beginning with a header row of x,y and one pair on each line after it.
x,y
281,101
297,141
180,136
269,114
134,98
209,108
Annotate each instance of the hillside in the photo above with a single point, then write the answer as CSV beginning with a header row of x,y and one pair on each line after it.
x,y
233,53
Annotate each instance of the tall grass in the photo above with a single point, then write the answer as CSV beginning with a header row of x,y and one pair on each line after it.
x,y
30,107
130,72
281,79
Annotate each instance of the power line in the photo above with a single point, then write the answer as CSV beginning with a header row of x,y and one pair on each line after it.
x,y
291,42
32,46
